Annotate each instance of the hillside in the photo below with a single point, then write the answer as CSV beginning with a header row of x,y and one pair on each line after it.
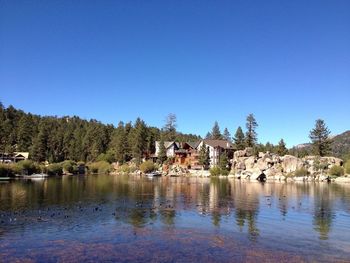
x,y
340,147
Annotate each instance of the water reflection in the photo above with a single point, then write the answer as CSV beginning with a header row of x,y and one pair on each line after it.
x,y
257,211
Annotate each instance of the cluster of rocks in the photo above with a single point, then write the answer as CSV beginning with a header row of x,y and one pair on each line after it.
x,y
174,170
247,165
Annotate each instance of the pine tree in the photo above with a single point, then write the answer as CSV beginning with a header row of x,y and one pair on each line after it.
x,y
281,148
239,139
251,135
162,151
170,127
320,138
216,134
204,158
40,144
227,135
224,164
139,140
208,136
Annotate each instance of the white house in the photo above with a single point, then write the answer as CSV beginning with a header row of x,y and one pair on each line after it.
x,y
216,148
170,147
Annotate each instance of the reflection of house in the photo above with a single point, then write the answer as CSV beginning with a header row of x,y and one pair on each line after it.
x,y
216,148
13,157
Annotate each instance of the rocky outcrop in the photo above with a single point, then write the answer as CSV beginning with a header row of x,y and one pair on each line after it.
x,y
247,165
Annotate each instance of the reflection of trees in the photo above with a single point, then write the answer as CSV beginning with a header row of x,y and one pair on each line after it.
x,y
246,202
323,215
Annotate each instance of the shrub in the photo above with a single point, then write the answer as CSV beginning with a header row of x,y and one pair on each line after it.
x,y
336,170
27,167
69,167
107,157
54,169
301,172
347,167
6,170
215,171
101,167
147,167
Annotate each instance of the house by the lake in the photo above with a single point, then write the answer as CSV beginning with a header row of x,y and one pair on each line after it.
x,y
187,153
13,157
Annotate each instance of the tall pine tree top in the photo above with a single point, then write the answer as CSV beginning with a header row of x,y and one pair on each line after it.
x,y
216,133
239,139
251,135
320,138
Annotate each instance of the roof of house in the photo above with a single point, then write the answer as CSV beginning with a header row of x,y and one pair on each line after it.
x,y
168,144
194,145
219,143
24,154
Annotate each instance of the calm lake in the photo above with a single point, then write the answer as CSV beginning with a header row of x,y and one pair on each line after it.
x,y
134,219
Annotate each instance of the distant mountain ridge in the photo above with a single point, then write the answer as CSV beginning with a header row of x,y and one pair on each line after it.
x,y
340,145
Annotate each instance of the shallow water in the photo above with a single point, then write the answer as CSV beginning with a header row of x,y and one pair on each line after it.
x,y
133,219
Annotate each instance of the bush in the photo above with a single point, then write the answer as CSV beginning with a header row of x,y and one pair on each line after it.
x,y
107,157
147,167
26,167
301,172
215,171
336,170
54,169
6,170
347,167
70,167
101,167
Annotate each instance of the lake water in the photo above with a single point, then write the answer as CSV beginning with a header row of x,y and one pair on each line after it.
x,y
133,219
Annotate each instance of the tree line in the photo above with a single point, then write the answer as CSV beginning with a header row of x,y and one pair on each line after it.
x,y
55,139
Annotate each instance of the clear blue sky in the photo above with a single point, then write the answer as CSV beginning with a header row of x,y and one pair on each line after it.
x,y
288,62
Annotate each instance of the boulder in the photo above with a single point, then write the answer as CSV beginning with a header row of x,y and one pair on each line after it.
x,y
291,163
250,162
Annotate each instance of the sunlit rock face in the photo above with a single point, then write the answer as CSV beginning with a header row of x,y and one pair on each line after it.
x,y
246,164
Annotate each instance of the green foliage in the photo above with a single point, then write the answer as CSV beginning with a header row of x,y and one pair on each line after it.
x,y
26,167
227,135
107,157
162,157
147,167
224,164
301,172
251,135
101,167
215,171
170,127
320,138
239,139
70,167
6,170
204,158
336,170
216,133
54,169
347,167
281,148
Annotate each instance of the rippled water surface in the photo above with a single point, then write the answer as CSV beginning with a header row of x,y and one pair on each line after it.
x,y
133,219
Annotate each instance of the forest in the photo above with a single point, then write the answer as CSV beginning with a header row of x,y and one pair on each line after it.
x,y
55,139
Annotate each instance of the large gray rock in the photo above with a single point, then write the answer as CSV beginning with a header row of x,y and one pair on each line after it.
x,y
291,163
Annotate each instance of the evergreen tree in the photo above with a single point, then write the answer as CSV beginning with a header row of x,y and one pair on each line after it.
x,y
251,135
204,158
139,140
224,164
170,127
239,139
40,144
208,136
227,135
162,151
320,138
216,134
281,148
